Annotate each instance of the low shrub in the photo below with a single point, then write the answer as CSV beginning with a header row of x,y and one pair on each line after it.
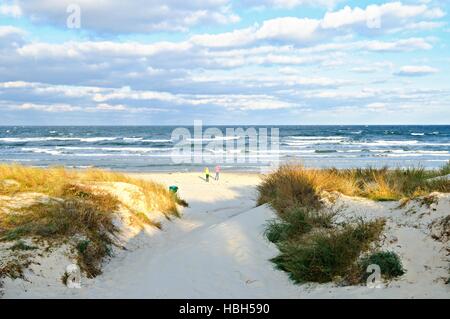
x,y
388,261
296,222
325,254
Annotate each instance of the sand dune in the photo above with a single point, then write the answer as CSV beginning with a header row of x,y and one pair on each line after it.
x,y
217,250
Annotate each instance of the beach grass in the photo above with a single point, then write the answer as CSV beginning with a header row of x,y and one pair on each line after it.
x,y
313,246
324,255
53,182
445,170
74,209
294,184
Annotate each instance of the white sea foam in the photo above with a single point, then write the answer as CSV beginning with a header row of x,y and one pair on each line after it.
x,y
217,138
387,143
42,151
312,142
98,139
312,138
398,143
117,149
43,139
157,140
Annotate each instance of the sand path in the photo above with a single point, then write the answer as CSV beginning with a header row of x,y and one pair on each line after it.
x,y
216,250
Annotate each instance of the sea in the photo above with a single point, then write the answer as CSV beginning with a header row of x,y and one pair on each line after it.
x,y
151,148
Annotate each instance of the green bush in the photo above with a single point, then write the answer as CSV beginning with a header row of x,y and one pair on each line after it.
x,y
328,253
82,246
296,222
389,262
312,247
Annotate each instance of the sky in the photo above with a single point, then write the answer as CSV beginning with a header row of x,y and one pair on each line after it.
x,y
225,62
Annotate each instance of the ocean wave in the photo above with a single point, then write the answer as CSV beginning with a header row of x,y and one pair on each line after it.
x,y
217,138
353,151
43,151
312,138
417,134
316,142
156,140
388,143
238,151
283,151
398,143
107,149
98,139
43,139
114,149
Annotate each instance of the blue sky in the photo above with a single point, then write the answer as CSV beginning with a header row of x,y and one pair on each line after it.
x,y
225,62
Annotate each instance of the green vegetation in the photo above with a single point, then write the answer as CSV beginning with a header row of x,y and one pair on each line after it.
x,y
324,254
297,222
82,213
296,185
445,170
313,247
54,182
20,245
389,262
74,210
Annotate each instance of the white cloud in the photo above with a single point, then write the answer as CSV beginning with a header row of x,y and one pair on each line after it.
x,y
425,25
291,3
289,29
284,63
387,14
10,10
7,30
403,45
119,16
47,107
377,106
364,69
393,17
109,107
16,84
412,70
239,37
435,13
102,98
106,48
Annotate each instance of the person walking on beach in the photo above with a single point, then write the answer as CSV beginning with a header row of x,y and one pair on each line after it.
x,y
207,174
217,172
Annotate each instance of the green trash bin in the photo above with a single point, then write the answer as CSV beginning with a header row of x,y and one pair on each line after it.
x,y
173,189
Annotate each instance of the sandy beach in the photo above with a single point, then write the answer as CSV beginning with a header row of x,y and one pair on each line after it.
x,y
328,122
217,249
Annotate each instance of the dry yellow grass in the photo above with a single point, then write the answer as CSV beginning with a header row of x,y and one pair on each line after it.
x,y
315,248
294,184
75,208
53,181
